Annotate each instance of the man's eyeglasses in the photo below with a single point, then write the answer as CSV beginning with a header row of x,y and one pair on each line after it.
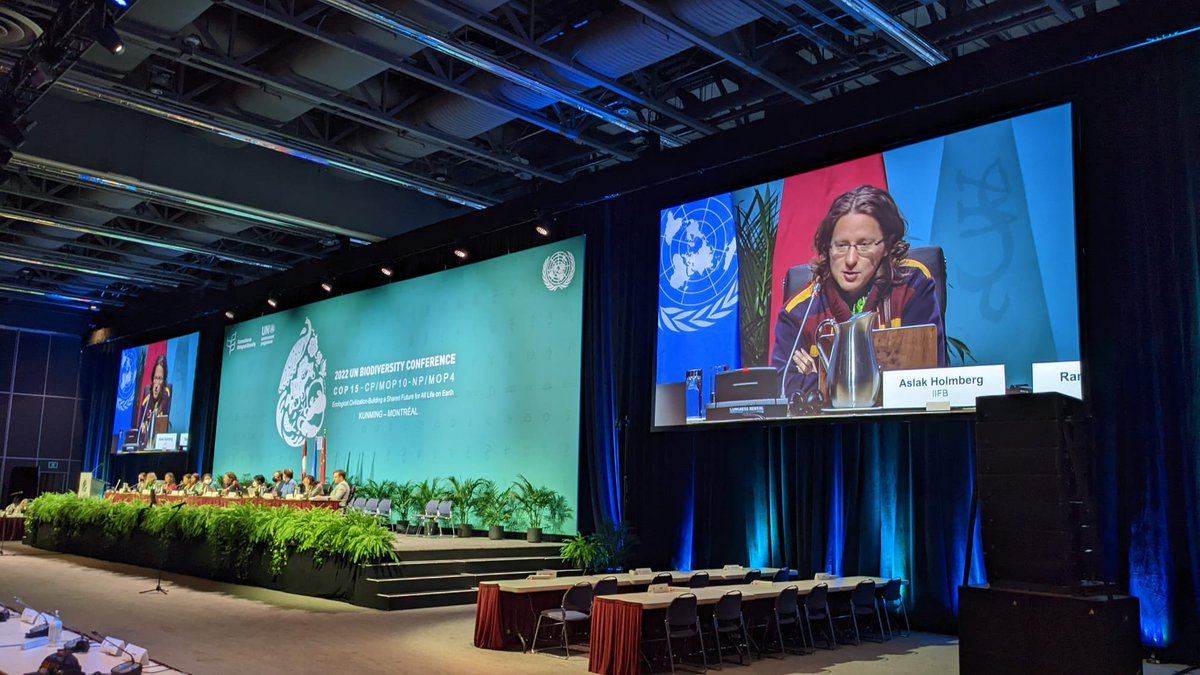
x,y
841,248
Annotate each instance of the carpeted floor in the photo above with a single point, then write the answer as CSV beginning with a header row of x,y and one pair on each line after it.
x,y
204,627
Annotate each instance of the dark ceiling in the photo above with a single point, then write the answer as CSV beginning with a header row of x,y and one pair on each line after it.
x,y
235,139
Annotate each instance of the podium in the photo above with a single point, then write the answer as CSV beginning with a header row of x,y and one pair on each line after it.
x,y
90,486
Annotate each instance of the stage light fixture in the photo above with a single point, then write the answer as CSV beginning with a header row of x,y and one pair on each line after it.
x,y
542,230
272,302
94,308
326,286
108,38
387,271
461,253
229,314
123,4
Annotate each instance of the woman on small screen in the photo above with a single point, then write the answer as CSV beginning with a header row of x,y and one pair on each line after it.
x,y
860,265
156,401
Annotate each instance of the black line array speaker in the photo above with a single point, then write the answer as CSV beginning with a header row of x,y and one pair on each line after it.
x,y
1003,632
1037,517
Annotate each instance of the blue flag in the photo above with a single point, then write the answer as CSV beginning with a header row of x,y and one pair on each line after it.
x,y
697,290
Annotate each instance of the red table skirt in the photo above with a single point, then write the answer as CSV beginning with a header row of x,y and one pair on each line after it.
x,y
505,619
488,631
221,501
616,637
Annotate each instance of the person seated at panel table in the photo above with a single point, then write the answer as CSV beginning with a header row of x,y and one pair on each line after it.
x,y
276,481
151,483
288,486
169,484
156,401
341,488
309,487
258,487
230,487
207,486
861,265
141,484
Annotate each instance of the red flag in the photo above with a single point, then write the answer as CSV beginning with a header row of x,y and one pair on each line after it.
x,y
324,443
806,200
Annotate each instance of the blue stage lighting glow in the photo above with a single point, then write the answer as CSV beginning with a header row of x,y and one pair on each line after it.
x,y
1150,575
836,546
683,557
121,3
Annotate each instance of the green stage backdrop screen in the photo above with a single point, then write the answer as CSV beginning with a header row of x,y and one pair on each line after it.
x,y
471,372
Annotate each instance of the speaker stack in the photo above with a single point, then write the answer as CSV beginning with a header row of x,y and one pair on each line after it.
x,y
1044,609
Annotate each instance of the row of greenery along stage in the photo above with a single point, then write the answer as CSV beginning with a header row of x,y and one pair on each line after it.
x,y
310,552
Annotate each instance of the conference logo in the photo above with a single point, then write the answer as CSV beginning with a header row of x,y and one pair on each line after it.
x,y
300,412
125,384
558,270
698,271
231,342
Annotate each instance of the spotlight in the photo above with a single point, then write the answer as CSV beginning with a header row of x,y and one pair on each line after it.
x,y
326,286
94,308
121,3
461,253
387,271
541,229
229,314
107,37
272,302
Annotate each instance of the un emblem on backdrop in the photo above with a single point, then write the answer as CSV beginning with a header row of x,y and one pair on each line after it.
x,y
301,409
697,275
558,270
125,386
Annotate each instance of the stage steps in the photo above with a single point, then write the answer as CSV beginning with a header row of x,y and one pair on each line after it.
x,y
440,577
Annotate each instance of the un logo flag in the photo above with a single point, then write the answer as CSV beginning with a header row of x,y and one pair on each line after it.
x,y
697,268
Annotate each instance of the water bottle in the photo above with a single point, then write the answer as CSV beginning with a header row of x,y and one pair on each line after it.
x,y
54,634
694,395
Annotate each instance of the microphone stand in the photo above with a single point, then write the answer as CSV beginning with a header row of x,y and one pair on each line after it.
x,y
162,558
131,668
4,534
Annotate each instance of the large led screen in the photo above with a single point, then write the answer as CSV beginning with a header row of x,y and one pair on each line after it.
x,y
154,396
912,280
473,373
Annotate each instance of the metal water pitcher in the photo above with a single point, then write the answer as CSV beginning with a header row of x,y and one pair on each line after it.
x,y
851,371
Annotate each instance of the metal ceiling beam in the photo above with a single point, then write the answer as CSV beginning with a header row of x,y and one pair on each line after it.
x,y
10,189
671,23
453,47
133,237
874,17
214,122
549,56
69,284
390,61
88,267
48,297
361,114
1060,10
187,201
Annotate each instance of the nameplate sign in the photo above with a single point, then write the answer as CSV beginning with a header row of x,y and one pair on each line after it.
x,y
1061,376
960,386
29,615
166,441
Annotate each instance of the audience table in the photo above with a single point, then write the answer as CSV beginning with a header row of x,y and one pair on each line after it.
x,y
119,497
616,632
507,611
17,660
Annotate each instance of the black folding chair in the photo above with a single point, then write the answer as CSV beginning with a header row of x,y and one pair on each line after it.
x,y
662,578
890,598
728,620
698,580
816,608
683,623
862,603
786,612
606,586
752,575
576,608
782,575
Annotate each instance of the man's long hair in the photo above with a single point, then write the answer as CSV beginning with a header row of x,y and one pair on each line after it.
x,y
877,203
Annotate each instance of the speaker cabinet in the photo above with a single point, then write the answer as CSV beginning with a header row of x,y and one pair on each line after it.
x,y
1004,631
1035,505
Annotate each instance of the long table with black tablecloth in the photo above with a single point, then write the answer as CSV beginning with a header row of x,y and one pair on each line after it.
x,y
118,497
507,611
616,631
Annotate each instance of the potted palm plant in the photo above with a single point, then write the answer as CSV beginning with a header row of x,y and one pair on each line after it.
x,y
538,505
494,508
462,493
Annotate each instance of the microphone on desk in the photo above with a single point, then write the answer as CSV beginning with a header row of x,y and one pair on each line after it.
x,y
134,667
787,364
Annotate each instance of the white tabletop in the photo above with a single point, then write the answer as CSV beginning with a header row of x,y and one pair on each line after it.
x,y
15,660
624,579
710,595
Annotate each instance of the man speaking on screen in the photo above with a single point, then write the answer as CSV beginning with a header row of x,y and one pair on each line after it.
x,y
860,265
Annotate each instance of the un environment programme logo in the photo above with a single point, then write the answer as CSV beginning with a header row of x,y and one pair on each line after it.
x,y
301,409
558,270
125,386
697,274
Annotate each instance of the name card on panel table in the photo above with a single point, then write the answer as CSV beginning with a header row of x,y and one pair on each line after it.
x,y
958,386
166,441
1061,376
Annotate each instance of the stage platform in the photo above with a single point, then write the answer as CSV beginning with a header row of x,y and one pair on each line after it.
x,y
444,570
